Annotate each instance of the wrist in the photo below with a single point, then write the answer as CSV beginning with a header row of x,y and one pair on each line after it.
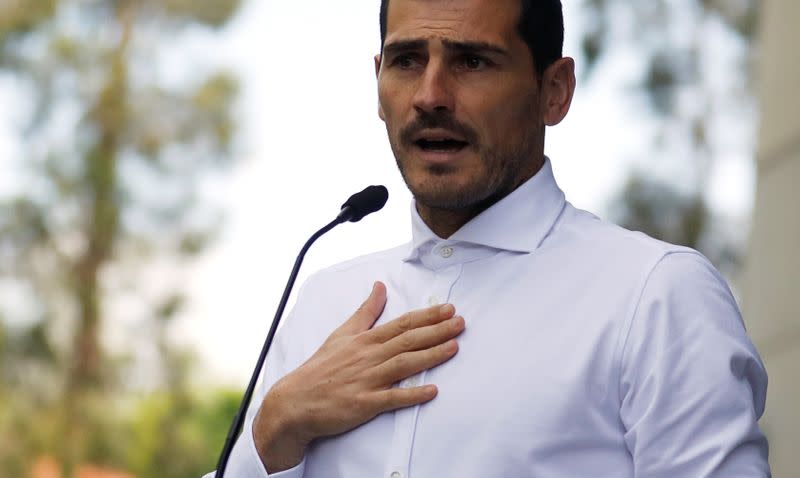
x,y
278,434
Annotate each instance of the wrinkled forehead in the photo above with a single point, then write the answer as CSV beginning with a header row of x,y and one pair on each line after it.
x,y
489,21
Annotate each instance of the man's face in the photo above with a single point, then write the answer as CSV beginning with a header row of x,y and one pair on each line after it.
x,y
460,98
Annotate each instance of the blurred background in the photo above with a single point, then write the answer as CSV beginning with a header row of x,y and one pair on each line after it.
x,y
163,161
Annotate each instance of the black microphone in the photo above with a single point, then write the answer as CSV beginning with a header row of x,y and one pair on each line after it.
x,y
371,199
366,202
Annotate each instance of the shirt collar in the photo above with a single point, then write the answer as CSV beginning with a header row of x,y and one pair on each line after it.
x,y
519,222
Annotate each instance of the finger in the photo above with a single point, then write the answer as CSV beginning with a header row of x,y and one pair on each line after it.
x,y
412,320
369,311
407,364
423,337
395,398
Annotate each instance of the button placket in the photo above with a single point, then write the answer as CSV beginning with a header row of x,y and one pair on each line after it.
x,y
405,424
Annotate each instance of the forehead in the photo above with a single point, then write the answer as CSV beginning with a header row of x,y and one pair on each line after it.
x,y
492,21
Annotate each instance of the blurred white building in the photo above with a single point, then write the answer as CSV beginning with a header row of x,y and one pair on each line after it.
x,y
771,299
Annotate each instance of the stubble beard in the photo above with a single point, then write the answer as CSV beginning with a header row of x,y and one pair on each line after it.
x,y
502,172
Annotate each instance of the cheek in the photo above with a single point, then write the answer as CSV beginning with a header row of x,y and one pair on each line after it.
x,y
384,108
390,98
386,113
509,122
381,114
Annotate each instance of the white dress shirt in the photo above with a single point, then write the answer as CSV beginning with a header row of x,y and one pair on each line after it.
x,y
589,350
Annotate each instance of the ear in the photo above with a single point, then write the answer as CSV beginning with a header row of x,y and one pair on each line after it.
x,y
558,88
378,77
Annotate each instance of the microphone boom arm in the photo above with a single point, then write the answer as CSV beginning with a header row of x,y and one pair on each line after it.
x,y
361,204
238,422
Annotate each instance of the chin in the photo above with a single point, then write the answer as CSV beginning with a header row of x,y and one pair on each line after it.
x,y
442,192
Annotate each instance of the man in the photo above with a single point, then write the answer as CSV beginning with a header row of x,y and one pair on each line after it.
x,y
515,336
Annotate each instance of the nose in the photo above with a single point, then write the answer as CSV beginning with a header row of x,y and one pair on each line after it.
x,y
434,92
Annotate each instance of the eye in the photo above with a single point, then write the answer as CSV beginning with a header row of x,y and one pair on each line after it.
x,y
474,63
405,61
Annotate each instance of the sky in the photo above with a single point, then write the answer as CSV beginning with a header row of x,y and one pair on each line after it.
x,y
311,136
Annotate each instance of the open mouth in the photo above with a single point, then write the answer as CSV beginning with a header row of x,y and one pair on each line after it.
x,y
445,145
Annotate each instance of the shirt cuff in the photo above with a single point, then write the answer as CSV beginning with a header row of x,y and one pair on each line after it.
x,y
246,463
252,451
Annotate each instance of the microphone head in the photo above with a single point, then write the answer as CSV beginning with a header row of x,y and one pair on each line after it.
x,y
371,199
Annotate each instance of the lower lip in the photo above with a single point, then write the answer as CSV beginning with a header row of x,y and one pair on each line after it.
x,y
440,157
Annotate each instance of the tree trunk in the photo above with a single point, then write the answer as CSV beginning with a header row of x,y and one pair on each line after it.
x,y
85,374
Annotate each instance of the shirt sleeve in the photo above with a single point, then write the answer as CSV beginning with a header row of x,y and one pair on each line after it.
x,y
692,385
244,461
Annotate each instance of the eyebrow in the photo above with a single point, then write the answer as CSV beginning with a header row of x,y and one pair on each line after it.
x,y
458,46
403,45
474,47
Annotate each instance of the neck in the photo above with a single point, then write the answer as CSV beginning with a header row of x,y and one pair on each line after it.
x,y
445,222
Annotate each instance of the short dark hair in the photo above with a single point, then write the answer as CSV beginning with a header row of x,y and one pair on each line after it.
x,y
541,26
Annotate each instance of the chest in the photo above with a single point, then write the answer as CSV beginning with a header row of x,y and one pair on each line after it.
x,y
534,376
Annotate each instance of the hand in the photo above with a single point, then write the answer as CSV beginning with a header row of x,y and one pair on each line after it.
x,y
348,381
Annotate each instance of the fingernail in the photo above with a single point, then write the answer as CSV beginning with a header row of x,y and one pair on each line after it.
x,y
375,286
446,309
451,346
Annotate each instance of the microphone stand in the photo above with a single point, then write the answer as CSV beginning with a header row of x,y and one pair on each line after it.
x,y
238,422
354,209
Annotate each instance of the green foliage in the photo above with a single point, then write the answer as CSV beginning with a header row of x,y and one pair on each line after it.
x,y
651,23
155,436
20,16
211,13
164,427
676,41
663,212
113,159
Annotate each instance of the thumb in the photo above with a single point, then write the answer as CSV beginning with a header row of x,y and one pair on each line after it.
x,y
369,311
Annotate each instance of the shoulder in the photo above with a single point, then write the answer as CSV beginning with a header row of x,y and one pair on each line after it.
x,y
683,308
329,296
669,274
583,230
666,285
370,266
339,289
622,259
684,297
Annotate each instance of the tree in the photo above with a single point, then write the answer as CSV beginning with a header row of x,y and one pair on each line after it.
x,y
114,154
164,430
685,44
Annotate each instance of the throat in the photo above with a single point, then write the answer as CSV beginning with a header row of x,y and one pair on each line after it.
x,y
445,222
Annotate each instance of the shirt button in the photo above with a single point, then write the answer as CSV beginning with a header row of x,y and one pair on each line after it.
x,y
396,474
446,252
433,300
